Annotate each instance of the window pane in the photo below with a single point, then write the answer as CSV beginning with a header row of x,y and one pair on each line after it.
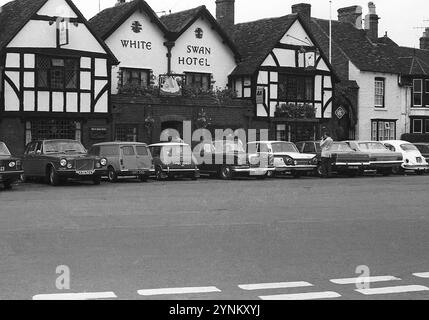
x,y
128,151
418,86
142,151
57,78
427,86
418,126
427,125
309,89
379,93
417,100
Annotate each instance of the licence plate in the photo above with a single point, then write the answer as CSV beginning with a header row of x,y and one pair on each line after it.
x,y
86,172
2,169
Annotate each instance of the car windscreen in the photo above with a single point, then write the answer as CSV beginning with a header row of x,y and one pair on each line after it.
x,y
340,147
284,147
423,148
372,146
142,151
4,151
177,154
63,147
409,147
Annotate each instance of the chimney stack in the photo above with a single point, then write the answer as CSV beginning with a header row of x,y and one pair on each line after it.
x,y
351,15
225,13
303,9
119,2
424,41
371,22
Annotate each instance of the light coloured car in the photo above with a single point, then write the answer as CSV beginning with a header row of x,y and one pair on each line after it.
x,y
124,159
287,158
413,159
381,159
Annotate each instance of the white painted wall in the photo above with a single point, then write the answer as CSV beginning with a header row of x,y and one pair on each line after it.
x,y
152,57
397,101
221,60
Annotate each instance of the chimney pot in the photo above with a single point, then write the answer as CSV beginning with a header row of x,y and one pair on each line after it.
x,y
352,14
225,13
371,22
424,41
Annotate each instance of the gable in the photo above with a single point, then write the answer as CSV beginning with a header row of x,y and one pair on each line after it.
x,y
59,8
297,36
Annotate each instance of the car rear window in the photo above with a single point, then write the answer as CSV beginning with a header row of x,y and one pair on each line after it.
x,y
109,151
142,151
409,147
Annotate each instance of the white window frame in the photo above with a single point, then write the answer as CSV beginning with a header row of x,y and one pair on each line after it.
x,y
377,95
421,126
419,92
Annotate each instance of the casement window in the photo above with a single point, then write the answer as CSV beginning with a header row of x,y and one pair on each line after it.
x,y
417,92
380,86
383,130
126,133
417,125
55,73
198,80
294,88
52,129
137,77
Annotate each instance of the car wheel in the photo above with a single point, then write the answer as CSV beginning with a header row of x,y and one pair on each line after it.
x,y
23,178
297,175
96,180
386,172
7,185
226,173
158,174
53,178
352,174
319,171
112,176
398,170
194,177
420,172
143,178
271,174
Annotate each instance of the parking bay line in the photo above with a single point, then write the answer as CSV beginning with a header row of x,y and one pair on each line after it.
x,y
392,290
278,285
302,296
76,296
177,291
364,280
424,275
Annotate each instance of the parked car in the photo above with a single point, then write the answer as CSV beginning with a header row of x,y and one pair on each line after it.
x,y
383,160
174,160
286,157
125,159
10,167
59,160
424,149
413,159
228,159
344,159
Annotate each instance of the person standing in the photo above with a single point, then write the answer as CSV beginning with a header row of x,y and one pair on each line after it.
x,y
326,145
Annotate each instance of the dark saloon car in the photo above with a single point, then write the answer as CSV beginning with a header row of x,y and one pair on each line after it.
x,y
424,149
382,160
228,159
59,160
10,167
174,160
344,159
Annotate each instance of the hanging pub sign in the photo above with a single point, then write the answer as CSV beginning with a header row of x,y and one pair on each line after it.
x,y
62,32
171,85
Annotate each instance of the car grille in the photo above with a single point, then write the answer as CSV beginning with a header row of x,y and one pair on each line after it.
x,y
302,162
353,157
84,164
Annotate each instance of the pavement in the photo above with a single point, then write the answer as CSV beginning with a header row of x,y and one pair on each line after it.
x,y
279,239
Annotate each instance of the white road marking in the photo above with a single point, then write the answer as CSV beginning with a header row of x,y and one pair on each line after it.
x,y
364,279
391,290
76,296
302,296
278,285
174,291
422,275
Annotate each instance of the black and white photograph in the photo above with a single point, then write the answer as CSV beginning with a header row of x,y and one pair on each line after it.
x,y
238,151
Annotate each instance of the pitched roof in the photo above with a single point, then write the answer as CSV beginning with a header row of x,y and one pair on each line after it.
x,y
14,15
177,21
108,20
256,39
413,61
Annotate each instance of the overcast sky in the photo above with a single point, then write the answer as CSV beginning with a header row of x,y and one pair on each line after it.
x,y
398,17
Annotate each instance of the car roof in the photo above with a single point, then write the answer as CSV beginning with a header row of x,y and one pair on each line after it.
x,y
117,143
166,144
270,142
396,142
56,140
422,143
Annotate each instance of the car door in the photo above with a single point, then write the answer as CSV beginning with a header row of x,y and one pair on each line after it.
x,y
128,158
28,159
144,159
40,161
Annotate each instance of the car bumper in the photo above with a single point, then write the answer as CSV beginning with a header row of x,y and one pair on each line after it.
x,y
415,167
385,164
10,176
181,172
296,168
81,175
351,165
251,171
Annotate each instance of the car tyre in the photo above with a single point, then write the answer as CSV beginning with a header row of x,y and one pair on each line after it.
x,y
420,172
23,178
53,178
143,178
96,180
7,185
226,173
158,174
319,171
112,176
398,171
297,175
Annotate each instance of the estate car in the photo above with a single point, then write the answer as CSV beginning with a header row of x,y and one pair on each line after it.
x,y
413,159
228,159
59,160
124,159
382,160
287,158
10,167
174,160
344,159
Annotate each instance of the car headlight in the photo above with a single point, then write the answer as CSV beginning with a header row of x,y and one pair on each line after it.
x,y
289,161
69,165
315,161
12,164
103,162
63,162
